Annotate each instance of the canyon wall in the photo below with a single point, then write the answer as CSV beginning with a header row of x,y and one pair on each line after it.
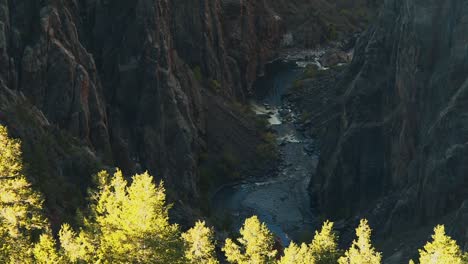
x,y
394,146
128,83
311,23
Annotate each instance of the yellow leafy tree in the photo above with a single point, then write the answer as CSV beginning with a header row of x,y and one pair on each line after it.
x,y
255,246
45,251
126,224
361,251
324,246
295,254
199,246
21,218
77,248
5,244
322,250
441,250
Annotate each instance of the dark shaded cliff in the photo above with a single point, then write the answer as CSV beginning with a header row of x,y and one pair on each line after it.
x,y
133,84
394,146
309,23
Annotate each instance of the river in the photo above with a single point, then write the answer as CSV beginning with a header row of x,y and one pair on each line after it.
x,y
281,201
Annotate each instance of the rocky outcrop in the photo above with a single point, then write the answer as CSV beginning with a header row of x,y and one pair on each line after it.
x,y
131,82
396,147
310,23
253,31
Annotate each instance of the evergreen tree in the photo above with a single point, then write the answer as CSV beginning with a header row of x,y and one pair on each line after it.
x,y
21,219
126,224
324,246
77,248
199,246
255,246
295,254
11,164
5,244
441,250
361,251
45,251
322,250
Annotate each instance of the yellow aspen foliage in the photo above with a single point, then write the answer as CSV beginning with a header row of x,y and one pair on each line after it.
x,y
76,247
255,246
361,251
21,219
20,206
11,164
322,250
126,224
441,250
324,246
199,246
45,251
295,254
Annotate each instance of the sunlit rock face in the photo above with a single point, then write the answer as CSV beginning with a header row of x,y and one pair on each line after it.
x,y
396,149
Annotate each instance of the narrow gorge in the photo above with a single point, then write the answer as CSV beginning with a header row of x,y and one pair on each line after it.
x,y
294,111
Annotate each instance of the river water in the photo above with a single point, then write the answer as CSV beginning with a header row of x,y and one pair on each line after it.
x,y
281,201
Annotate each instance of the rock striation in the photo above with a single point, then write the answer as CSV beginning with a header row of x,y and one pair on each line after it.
x,y
131,82
395,149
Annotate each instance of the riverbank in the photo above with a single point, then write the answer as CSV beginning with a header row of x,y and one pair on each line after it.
x,y
281,200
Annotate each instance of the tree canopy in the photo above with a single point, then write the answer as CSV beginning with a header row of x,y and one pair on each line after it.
x,y
361,250
254,246
21,216
295,254
441,250
127,221
199,245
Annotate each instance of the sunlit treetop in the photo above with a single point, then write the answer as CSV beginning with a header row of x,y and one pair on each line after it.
x,y
11,164
254,246
361,251
21,216
441,250
199,246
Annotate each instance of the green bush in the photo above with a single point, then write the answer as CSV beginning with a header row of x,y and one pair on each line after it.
x,y
311,71
267,150
197,73
345,13
215,86
298,85
305,116
332,32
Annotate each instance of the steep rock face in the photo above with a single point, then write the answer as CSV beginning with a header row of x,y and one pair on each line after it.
x,y
130,79
229,40
253,31
396,148
153,101
310,23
